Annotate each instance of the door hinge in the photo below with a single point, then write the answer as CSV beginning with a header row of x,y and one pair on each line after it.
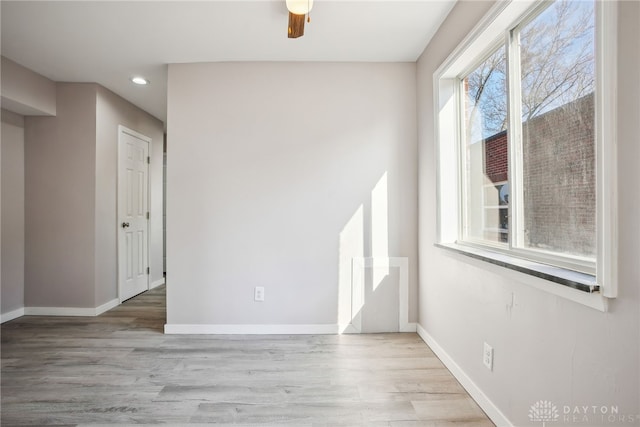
x,y
148,215
148,160
148,271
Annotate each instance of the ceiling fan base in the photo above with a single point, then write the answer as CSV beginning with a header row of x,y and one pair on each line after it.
x,y
296,26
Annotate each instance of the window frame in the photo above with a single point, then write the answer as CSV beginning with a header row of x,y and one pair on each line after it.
x,y
463,233
494,30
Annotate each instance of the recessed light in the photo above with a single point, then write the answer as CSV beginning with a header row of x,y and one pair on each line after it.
x,y
139,80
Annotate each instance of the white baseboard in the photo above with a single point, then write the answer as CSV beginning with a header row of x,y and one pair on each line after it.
x,y
348,329
107,306
252,329
59,311
409,327
156,284
71,311
351,329
498,418
12,315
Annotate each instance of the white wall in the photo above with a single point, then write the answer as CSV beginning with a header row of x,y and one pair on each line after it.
x,y
546,347
12,147
275,171
111,111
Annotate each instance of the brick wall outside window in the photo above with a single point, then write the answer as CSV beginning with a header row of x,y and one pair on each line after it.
x,y
559,177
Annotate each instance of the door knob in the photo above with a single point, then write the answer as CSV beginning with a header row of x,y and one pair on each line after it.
x,y
125,224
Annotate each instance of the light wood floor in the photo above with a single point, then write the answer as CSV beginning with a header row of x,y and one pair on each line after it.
x,y
119,368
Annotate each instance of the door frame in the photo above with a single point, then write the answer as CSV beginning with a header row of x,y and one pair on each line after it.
x,y
121,131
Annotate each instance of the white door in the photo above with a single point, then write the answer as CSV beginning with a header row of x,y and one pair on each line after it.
x,y
133,213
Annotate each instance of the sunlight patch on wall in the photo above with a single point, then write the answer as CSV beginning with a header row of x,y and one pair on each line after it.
x,y
351,246
380,227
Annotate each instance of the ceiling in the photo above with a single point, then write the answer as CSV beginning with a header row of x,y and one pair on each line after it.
x,y
108,42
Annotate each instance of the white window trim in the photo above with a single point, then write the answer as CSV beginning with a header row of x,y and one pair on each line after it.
x,y
482,38
607,147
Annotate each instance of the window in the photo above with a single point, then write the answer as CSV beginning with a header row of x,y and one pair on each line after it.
x,y
524,108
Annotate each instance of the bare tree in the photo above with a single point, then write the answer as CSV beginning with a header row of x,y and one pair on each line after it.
x,y
556,58
486,93
556,61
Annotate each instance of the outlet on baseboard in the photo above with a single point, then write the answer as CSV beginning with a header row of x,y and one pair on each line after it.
x,y
258,293
487,356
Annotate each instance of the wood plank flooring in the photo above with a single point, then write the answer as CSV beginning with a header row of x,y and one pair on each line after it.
x,y
119,368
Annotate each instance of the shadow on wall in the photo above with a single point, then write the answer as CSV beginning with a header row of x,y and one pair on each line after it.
x,y
369,286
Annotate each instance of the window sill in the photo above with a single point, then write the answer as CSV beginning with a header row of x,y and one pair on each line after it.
x,y
576,286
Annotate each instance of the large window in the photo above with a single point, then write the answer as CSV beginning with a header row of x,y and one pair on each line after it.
x,y
528,170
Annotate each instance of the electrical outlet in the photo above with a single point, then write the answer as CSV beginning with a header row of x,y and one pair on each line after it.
x,y
258,293
487,356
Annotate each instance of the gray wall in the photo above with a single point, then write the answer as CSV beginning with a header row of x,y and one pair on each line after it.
x,y
111,111
12,169
276,173
546,347
60,162
25,92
